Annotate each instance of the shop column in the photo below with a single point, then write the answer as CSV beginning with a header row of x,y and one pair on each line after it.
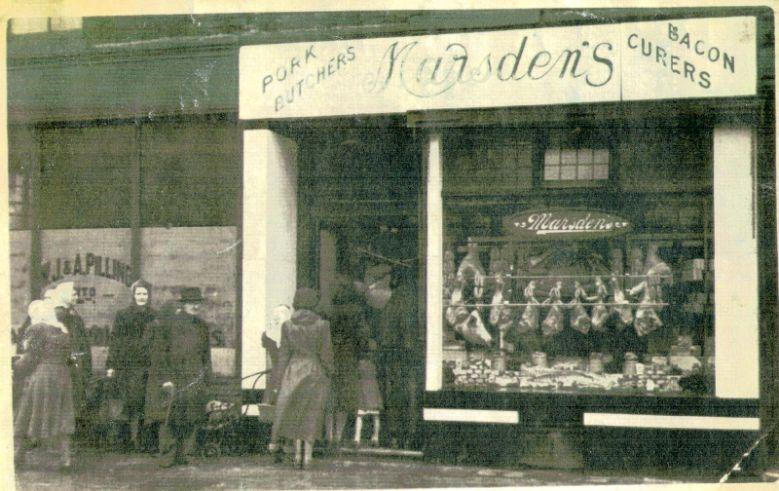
x,y
434,264
735,264
269,241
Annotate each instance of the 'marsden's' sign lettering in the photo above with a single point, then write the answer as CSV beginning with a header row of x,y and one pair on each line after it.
x,y
565,223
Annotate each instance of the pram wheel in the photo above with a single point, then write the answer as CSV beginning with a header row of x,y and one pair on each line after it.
x,y
212,449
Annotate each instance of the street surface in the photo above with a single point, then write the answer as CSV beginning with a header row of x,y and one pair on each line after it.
x,y
102,470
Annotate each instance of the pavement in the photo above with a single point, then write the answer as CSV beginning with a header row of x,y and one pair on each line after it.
x,y
105,470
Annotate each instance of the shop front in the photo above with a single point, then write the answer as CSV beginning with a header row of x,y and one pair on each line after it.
x,y
584,205
592,240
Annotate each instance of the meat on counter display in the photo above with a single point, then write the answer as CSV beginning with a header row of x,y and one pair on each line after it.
x,y
587,331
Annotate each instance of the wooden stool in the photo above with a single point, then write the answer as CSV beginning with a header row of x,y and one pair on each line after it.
x,y
358,426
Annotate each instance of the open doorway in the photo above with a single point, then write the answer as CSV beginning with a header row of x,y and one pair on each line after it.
x,y
360,188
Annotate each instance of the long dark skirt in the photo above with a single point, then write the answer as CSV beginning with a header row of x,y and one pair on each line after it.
x,y
303,396
46,408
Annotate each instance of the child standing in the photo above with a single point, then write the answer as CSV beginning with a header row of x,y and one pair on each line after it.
x,y
370,402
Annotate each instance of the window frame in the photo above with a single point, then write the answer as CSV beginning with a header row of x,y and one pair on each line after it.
x,y
576,139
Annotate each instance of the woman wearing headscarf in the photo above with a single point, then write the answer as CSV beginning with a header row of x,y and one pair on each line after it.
x,y
306,364
65,296
128,356
45,412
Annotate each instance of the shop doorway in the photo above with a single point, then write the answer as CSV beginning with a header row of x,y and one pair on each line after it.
x,y
363,190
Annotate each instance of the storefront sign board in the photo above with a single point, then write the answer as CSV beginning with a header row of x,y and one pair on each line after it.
x,y
564,224
672,59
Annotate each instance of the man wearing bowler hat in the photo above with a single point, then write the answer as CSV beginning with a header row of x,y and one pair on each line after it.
x,y
179,372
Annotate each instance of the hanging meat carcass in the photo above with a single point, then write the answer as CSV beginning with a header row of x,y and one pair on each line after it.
x,y
473,330
600,314
623,313
456,312
647,320
449,271
657,272
471,270
580,321
553,323
501,315
529,320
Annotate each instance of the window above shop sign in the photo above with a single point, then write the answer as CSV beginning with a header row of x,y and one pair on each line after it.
x,y
671,59
572,164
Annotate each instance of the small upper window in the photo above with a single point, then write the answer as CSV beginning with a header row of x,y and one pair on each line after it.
x,y
576,164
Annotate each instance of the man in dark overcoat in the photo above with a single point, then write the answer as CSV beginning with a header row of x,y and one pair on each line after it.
x,y
401,360
179,372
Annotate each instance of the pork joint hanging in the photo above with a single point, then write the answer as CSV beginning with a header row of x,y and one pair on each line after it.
x,y
621,309
656,273
529,321
471,270
600,314
553,323
580,321
501,316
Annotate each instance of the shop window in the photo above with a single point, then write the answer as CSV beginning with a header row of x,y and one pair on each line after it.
x,y
579,294
190,174
86,176
22,157
576,164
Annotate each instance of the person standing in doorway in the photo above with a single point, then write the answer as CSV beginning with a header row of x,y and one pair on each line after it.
x,y
306,364
347,322
179,370
401,346
128,357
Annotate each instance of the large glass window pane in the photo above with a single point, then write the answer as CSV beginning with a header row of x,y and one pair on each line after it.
x,y
583,292
86,176
190,174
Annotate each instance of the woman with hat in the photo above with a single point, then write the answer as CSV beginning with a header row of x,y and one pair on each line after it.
x,y
306,364
128,356
45,412
180,365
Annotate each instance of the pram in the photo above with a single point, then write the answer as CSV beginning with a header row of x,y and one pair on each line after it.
x,y
223,432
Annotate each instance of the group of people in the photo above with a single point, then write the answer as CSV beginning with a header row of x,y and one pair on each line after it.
x,y
333,364
324,373
46,409
159,363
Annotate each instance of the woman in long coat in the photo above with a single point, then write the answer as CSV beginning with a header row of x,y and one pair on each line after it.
x,y
128,355
179,371
45,411
306,362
